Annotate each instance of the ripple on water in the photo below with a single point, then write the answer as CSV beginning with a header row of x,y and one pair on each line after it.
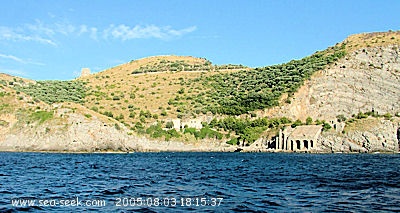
x,y
247,182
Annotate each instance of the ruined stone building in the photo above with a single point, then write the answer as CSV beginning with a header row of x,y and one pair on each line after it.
x,y
85,72
190,123
196,123
300,138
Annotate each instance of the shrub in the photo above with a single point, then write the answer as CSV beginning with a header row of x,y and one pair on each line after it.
x,y
120,117
139,126
155,131
56,91
233,141
341,118
4,123
191,131
132,95
318,122
146,114
41,116
361,115
387,116
309,121
117,127
169,125
181,91
237,93
326,127
108,113
94,108
296,123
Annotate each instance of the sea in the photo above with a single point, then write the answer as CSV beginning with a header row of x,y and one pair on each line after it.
x,y
199,182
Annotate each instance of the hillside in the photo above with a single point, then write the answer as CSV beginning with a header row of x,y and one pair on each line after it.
x,y
187,103
366,79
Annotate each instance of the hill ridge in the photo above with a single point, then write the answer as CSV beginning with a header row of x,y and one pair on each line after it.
x,y
229,103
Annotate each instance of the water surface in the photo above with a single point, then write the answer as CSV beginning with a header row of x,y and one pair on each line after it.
x,y
242,182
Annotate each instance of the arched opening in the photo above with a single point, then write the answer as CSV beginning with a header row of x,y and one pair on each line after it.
x,y
306,144
311,143
297,144
291,145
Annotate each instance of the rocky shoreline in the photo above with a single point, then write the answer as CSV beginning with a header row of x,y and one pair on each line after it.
x,y
83,135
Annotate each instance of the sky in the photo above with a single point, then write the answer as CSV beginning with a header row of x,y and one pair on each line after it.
x,y
53,40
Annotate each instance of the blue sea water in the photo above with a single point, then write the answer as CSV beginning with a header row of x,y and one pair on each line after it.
x,y
200,182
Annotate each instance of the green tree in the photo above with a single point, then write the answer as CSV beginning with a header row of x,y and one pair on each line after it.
x,y
326,126
341,118
309,121
169,125
296,123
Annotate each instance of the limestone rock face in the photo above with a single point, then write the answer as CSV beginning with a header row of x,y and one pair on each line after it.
x,y
378,138
366,79
73,132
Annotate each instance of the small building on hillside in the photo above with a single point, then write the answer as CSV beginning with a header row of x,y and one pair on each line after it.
x,y
85,72
192,123
176,123
300,138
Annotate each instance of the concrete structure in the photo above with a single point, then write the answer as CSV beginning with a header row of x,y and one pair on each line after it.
x,y
177,124
300,138
85,72
192,123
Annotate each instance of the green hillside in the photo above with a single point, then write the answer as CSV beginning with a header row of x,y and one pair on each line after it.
x,y
224,90
248,90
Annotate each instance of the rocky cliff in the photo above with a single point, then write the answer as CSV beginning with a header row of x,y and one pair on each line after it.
x,y
71,131
367,79
368,136
73,128
358,95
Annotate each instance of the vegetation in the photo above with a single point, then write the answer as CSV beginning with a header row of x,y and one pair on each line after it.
x,y
364,115
326,126
309,121
229,67
4,123
156,131
177,65
203,133
140,101
41,116
56,91
241,92
246,130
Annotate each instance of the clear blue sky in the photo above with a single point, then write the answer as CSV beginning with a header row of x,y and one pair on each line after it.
x,y
55,39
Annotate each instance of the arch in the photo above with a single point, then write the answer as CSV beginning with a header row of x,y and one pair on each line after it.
x,y
298,144
311,144
306,144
